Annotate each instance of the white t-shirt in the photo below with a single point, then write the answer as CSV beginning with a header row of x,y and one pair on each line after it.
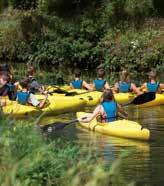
x,y
33,100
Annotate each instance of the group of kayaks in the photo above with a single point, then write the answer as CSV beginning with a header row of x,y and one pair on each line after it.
x,y
75,100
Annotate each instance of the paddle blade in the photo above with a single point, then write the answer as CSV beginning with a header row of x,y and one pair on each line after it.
x,y
141,99
54,127
144,98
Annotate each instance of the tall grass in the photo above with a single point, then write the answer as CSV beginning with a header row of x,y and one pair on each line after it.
x,y
28,158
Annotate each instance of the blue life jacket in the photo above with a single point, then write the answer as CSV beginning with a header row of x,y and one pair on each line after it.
x,y
124,87
110,108
99,84
77,84
22,97
152,87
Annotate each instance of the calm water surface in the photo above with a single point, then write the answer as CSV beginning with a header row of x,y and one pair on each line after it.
x,y
145,163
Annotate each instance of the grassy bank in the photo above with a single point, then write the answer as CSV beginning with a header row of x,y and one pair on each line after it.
x,y
27,157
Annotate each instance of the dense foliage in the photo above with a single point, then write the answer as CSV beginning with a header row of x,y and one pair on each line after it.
x,y
115,33
27,159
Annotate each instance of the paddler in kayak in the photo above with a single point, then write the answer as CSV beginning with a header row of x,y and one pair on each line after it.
x,y
25,97
125,85
152,85
7,87
78,83
108,110
100,84
34,86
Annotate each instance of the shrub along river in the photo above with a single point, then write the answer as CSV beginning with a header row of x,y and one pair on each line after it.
x,y
145,163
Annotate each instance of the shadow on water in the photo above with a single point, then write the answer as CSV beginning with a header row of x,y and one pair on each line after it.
x,y
145,163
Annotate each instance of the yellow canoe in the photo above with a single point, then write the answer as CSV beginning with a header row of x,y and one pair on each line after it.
x,y
120,128
55,106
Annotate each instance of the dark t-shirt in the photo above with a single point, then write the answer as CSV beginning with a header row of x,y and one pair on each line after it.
x,y
4,91
8,90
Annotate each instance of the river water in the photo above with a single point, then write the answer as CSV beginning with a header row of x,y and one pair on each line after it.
x,y
145,163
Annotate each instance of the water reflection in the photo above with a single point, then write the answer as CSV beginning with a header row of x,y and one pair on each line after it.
x,y
145,163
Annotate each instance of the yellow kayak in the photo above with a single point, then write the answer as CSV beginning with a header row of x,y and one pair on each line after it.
x,y
54,106
159,100
93,97
119,128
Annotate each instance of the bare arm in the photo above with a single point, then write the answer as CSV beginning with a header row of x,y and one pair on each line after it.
x,y
71,86
115,88
106,86
86,85
143,87
162,85
34,101
135,89
42,103
93,86
95,113
121,112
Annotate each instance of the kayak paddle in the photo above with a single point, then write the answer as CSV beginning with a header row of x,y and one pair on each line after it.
x,y
59,125
141,99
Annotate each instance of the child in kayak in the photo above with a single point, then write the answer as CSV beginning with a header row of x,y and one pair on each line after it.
x,y
125,85
100,84
78,83
152,85
7,87
108,110
34,86
25,97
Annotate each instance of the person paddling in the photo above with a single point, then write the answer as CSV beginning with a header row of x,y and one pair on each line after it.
x,y
152,85
108,110
100,84
25,97
78,83
125,85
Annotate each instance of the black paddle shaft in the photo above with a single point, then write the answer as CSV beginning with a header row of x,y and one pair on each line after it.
x,y
58,126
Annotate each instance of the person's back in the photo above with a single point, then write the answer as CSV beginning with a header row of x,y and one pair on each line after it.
x,y
34,86
78,83
108,110
125,85
100,84
7,88
25,97
152,85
